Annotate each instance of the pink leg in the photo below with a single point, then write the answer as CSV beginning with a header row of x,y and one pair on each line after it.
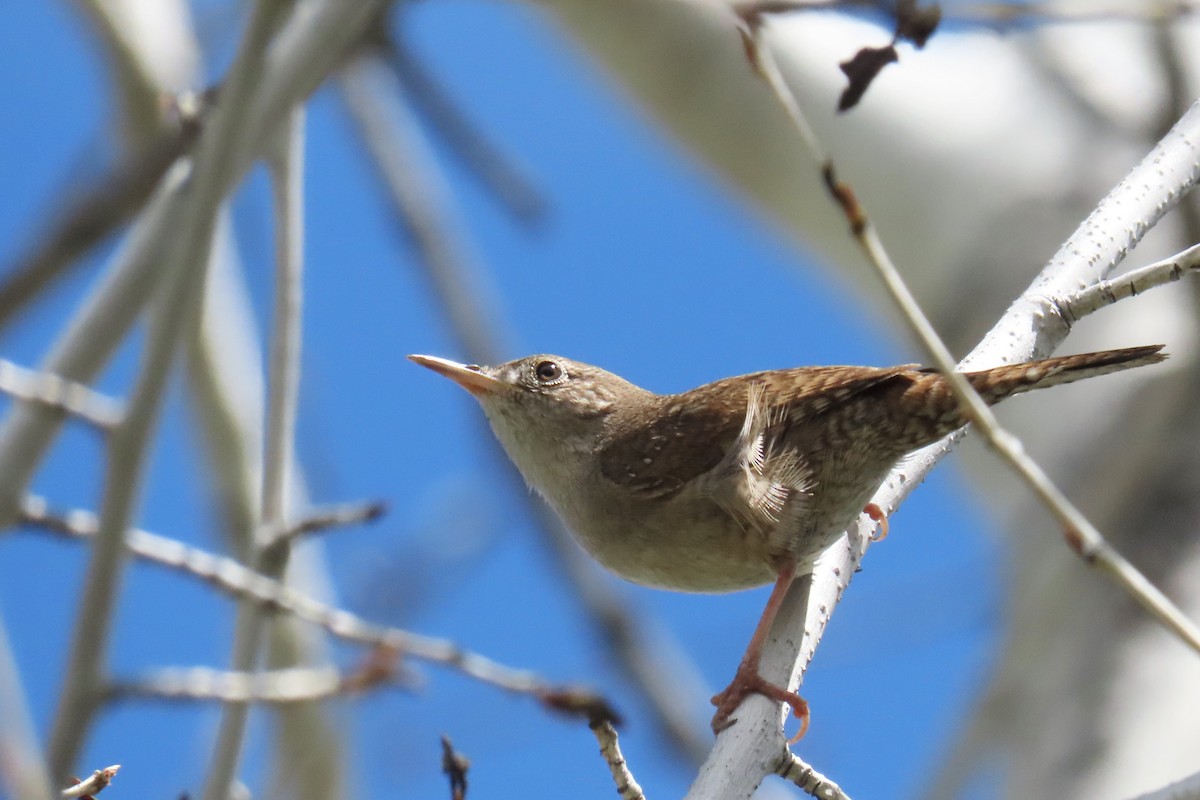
x,y
876,513
747,681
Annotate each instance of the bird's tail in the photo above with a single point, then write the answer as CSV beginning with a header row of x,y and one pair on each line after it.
x,y
1000,382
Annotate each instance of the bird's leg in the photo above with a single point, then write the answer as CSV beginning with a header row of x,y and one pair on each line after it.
x,y
877,515
747,680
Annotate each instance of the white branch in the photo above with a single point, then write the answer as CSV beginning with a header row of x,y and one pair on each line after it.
x,y
176,306
276,687
610,749
98,782
242,583
59,394
1095,297
808,780
287,174
304,51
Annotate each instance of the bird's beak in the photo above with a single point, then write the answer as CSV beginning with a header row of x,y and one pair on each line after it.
x,y
468,377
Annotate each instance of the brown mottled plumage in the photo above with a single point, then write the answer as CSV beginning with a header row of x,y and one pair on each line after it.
x,y
735,483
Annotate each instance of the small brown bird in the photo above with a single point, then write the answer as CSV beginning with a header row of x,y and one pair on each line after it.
x,y
736,483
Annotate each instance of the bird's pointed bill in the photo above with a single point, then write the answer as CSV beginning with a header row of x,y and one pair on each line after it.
x,y
467,376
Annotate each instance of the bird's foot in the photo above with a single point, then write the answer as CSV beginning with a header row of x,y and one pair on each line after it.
x,y
876,514
746,682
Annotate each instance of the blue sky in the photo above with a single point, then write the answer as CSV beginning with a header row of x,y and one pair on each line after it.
x,y
645,266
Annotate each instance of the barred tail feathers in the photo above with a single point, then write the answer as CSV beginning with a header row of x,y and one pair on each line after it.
x,y
1001,382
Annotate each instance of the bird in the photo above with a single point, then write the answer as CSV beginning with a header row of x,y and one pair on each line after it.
x,y
738,483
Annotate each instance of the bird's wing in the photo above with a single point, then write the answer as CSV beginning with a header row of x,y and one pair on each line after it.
x,y
692,432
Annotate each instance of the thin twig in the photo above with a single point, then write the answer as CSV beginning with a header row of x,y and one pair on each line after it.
x,y
610,749
455,765
797,771
96,783
266,687
334,516
57,393
92,336
242,583
1092,298
304,53
1081,536
286,168
226,382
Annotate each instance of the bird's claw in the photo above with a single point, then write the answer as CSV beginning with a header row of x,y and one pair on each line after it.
x,y
878,516
747,682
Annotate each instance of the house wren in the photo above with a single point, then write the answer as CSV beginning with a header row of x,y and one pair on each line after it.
x,y
736,483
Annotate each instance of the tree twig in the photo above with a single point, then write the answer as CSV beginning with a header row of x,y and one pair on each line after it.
x,y
51,391
94,333
610,750
333,516
286,167
302,56
242,583
455,765
96,783
271,687
797,771
175,307
1075,307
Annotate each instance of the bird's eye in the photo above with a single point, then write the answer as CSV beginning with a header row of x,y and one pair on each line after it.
x,y
548,371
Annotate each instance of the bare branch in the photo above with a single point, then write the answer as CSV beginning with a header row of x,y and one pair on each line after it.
x,y
94,333
610,749
97,783
286,164
302,56
273,687
175,309
335,516
59,394
1076,306
242,583
455,765
795,770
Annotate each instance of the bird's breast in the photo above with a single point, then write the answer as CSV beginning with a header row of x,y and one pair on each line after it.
x,y
683,544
